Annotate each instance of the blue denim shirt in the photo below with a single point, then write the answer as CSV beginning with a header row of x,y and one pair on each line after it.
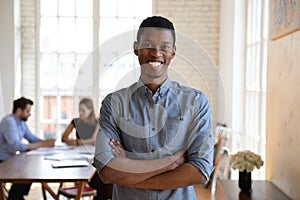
x,y
12,131
153,126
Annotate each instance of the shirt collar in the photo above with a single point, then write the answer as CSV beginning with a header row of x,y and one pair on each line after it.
x,y
162,90
16,119
164,87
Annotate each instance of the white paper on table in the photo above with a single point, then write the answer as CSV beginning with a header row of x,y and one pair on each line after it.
x,y
61,157
69,163
42,151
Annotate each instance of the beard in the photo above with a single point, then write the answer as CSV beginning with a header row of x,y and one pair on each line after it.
x,y
24,118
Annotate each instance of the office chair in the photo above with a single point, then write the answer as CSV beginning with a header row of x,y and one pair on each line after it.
x,y
222,171
5,190
71,192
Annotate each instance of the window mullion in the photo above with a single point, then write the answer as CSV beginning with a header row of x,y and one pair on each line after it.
x,y
95,51
37,64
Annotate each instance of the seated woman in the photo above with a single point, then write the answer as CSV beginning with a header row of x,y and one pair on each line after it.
x,y
86,127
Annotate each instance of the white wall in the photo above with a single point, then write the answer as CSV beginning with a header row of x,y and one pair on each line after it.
x,y
2,111
226,61
197,25
9,50
232,36
283,114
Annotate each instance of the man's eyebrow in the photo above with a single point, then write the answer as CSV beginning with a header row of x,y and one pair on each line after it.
x,y
148,40
164,42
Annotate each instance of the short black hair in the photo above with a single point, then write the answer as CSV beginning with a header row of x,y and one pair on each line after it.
x,y
157,22
21,103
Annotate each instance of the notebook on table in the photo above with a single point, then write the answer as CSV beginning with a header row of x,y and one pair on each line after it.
x,y
70,163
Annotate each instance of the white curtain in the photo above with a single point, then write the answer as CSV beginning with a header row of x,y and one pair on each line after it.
x,y
2,112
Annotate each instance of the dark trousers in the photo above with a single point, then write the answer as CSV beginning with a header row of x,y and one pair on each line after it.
x,y
104,191
17,191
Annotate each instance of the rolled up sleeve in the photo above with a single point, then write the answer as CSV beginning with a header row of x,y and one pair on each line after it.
x,y
103,153
107,130
200,150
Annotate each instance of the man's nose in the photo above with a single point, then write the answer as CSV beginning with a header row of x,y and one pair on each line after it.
x,y
156,51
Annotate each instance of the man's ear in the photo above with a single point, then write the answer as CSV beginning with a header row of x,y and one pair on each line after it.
x,y
18,111
135,48
174,51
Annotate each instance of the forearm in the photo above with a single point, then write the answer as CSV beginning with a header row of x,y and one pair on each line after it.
x,y
64,138
90,141
68,140
183,176
41,143
124,171
34,145
67,132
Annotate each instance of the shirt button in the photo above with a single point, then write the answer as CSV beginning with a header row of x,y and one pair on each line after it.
x,y
153,129
152,150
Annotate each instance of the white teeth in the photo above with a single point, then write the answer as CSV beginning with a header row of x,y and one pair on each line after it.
x,y
155,64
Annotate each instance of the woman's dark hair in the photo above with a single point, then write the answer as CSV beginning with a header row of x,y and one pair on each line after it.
x,y
21,103
156,22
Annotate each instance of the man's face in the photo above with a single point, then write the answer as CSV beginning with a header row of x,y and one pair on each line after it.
x,y
25,113
155,50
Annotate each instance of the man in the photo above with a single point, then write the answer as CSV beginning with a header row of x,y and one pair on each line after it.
x,y
155,137
13,129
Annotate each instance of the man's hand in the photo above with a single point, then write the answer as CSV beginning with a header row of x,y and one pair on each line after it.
x,y
41,143
117,148
178,159
48,142
125,171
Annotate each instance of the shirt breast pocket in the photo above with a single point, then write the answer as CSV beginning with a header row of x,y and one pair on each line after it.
x,y
170,131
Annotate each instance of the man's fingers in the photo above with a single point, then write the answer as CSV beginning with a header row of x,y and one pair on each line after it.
x,y
117,148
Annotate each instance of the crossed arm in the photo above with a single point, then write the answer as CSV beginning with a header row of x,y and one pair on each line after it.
x,y
166,173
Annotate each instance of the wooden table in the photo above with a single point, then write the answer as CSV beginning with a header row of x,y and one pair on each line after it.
x,y
261,190
24,168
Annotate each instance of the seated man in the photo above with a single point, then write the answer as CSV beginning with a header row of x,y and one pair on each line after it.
x,y
13,129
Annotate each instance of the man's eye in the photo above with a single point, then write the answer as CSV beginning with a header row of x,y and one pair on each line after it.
x,y
147,45
165,47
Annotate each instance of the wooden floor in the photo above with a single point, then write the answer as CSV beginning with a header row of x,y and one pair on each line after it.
x,y
202,192
35,193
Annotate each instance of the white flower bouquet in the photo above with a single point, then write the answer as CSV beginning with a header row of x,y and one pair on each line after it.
x,y
246,160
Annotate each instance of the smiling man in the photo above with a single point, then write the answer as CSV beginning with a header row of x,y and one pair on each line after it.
x,y
155,139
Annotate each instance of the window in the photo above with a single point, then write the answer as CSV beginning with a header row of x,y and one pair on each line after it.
x,y
66,32
255,78
69,31
120,19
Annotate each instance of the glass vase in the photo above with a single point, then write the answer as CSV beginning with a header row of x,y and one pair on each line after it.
x,y
245,181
